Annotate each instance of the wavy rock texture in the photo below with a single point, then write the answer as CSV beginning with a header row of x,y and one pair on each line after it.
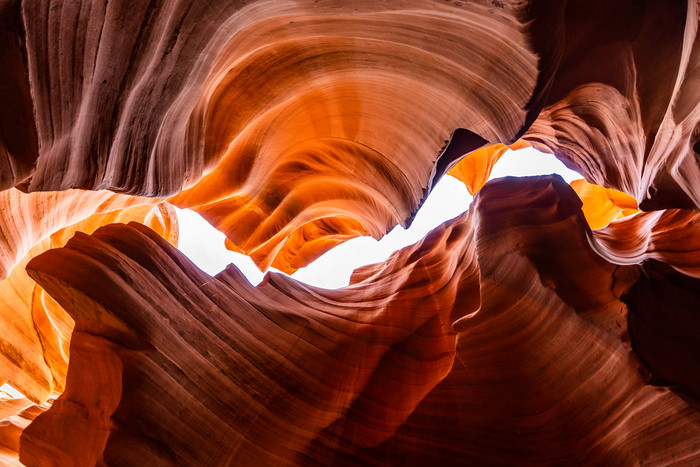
x,y
184,121
544,373
612,113
246,366
15,416
312,135
298,113
356,375
36,330
28,218
525,331
671,236
18,138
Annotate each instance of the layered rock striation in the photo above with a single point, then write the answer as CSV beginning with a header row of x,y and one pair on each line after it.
x,y
548,324
367,374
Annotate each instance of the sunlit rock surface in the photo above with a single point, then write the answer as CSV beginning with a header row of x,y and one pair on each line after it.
x,y
35,329
356,375
549,324
474,168
15,416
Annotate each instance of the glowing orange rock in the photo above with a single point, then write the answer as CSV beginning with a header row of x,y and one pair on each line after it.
x,y
35,326
28,218
603,205
474,169
292,126
15,416
317,140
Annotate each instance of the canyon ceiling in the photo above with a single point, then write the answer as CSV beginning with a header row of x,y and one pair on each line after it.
x,y
549,324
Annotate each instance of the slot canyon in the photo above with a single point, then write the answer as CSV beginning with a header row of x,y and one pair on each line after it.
x,y
551,323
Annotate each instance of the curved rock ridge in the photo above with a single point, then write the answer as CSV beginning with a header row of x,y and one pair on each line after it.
x,y
171,366
603,205
299,124
525,331
298,113
246,366
35,329
15,416
544,373
474,168
145,98
612,113
312,135
671,236
28,218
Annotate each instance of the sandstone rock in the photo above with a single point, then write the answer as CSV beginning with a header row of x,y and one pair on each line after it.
x,y
544,373
536,328
35,329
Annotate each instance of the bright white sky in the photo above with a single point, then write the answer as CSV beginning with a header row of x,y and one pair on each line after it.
x,y
204,245
10,392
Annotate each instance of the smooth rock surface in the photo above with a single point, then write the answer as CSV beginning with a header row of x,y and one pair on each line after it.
x,y
170,365
538,327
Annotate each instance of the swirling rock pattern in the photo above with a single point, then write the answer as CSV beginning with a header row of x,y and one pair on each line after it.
x,y
317,151
297,112
367,373
370,353
521,390
317,121
536,328
612,113
36,330
28,218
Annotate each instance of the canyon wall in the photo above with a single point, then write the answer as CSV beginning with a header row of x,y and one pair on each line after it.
x,y
548,324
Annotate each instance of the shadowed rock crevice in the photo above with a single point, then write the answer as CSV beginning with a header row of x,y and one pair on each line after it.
x,y
664,325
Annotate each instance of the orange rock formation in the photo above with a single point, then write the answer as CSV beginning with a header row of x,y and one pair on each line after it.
x,y
548,324
35,329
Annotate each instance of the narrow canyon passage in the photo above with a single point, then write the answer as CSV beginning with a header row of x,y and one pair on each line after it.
x,y
407,286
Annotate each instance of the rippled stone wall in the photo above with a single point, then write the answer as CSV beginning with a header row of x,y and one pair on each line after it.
x,y
548,324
